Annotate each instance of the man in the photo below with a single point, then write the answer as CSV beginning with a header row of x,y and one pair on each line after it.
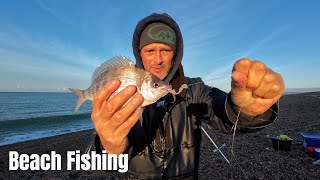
x,y
167,144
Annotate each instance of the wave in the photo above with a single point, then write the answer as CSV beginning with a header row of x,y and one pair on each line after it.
x,y
43,120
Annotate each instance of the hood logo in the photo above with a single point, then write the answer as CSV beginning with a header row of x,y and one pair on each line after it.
x,y
164,34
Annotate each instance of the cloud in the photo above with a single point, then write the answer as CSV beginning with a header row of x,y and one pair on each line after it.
x,y
201,32
221,77
44,62
267,39
44,6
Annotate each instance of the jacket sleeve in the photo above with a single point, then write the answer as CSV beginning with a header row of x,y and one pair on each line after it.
x,y
247,121
223,114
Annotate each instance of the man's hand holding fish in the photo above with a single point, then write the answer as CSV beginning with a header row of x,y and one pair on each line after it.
x,y
112,122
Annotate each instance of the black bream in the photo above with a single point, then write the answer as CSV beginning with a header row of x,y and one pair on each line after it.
x,y
122,68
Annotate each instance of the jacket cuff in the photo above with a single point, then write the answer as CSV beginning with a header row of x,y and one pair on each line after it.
x,y
247,121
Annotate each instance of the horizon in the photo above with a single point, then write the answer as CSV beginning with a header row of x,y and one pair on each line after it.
x,y
288,90
48,46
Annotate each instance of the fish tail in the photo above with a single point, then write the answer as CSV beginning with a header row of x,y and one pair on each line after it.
x,y
81,99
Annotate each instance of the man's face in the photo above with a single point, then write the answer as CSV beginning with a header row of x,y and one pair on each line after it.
x,y
157,58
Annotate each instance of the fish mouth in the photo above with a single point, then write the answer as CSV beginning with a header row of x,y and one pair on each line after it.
x,y
167,87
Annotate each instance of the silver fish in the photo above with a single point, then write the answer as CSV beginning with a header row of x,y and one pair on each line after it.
x,y
122,68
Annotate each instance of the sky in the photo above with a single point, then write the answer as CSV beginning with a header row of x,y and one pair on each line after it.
x,y
50,45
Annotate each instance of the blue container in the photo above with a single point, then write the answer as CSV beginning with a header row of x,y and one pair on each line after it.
x,y
311,139
317,150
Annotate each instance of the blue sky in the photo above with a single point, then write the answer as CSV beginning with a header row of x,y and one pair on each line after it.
x,y
50,45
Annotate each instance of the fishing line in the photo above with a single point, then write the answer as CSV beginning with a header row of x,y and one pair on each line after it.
x,y
232,146
234,128
278,150
234,133
208,80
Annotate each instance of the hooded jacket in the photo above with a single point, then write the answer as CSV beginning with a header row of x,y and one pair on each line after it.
x,y
167,144
176,79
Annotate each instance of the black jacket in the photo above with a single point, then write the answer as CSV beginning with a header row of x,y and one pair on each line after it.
x,y
167,144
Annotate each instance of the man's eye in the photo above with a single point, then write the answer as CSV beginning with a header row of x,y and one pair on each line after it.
x,y
149,52
166,51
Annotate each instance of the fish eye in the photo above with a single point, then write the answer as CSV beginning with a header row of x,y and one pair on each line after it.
x,y
155,85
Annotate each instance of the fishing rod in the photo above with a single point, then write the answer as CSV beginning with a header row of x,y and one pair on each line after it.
x,y
217,148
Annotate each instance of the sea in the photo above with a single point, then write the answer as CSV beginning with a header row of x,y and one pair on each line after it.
x,y
32,115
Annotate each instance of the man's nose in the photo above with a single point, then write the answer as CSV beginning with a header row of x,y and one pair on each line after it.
x,y
158,59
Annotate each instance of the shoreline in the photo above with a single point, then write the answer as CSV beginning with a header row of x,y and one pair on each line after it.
x,y
48,138
32,128
35,137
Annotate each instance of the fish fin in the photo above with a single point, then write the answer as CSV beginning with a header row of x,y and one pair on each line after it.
x,y
115,62
141,115
79,93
